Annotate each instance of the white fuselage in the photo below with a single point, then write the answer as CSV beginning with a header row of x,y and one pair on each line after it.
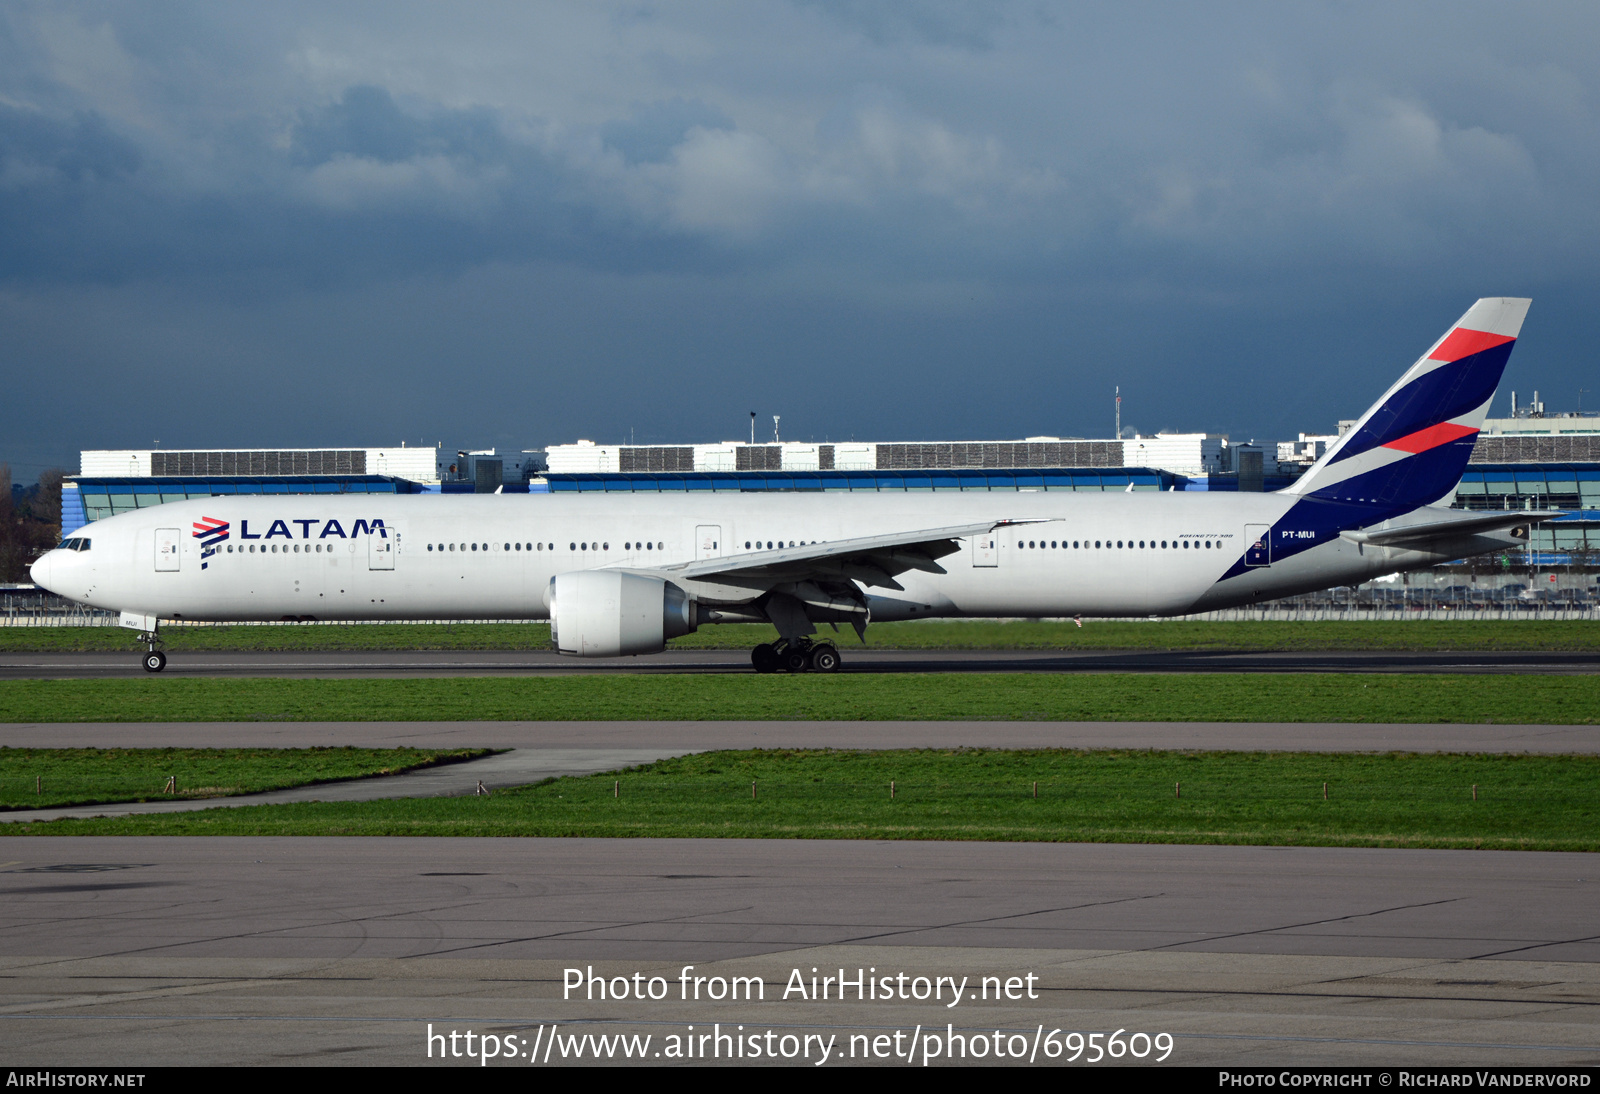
x,y
493,556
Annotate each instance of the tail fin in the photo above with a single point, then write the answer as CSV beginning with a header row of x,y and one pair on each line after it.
x,y
1411,447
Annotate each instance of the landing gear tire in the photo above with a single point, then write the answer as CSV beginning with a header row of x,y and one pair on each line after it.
x,y
155,661
823,658
765,658
796,659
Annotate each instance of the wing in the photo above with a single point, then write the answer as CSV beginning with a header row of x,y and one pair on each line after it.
x,y
871,560
794,587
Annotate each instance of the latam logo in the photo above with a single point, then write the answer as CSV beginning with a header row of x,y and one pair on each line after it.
x,y
279,529
209,531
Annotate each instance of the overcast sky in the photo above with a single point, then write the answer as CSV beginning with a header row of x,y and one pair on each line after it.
x,y
236,225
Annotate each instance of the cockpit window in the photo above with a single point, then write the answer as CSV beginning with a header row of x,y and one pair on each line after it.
x,y
74,544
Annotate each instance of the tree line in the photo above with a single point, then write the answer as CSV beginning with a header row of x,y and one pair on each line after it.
x,y
30,522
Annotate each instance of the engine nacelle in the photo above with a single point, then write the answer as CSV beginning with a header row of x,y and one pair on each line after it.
x,y
604,613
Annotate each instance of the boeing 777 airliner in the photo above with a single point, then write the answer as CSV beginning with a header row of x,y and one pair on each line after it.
x,y
623,573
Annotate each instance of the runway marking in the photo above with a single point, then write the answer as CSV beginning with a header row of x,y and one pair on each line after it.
x,y
590,930
1312,923
996,919
1543,945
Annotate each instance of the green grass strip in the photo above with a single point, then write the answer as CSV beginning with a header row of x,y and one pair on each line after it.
x,y
41,778
1422,635
1549,803
1223,697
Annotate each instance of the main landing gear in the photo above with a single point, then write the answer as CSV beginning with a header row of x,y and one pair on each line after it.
x,y
154,659
801,655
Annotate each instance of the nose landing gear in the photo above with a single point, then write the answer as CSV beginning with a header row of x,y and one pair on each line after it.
x,y
800,655
154,659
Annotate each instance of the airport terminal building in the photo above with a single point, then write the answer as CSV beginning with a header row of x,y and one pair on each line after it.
x,y
1528,461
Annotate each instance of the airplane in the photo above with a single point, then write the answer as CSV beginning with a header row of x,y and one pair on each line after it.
x,y
622,574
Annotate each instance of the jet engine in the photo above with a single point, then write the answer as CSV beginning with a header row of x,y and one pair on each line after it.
x,y
606,613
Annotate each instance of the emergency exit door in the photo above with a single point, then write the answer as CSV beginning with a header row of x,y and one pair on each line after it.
x,y
1258,545
708,541
986,550
380,553
169,548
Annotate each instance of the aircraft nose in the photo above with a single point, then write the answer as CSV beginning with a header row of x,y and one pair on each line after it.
x,y
40,570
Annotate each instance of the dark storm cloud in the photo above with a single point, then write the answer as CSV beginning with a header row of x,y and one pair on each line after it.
x,y
655,129
851,209
366,124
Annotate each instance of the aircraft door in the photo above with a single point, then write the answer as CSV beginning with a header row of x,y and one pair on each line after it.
x,y
380,553
1258,545
708,541
169,549
986,549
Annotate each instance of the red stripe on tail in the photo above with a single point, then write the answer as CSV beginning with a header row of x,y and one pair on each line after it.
x,y
1432,437
1462,342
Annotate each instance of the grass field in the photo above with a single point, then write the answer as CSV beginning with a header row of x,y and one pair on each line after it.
x,y
1391,800
41,778
1554,635
1223,697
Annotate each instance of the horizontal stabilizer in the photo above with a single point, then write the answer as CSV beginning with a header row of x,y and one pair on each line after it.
x,y
1467,524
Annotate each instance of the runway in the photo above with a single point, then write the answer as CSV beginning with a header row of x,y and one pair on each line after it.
x,y
699,736
36,666
143,951
249,951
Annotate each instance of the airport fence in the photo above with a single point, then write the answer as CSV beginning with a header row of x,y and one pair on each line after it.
x,y
27,606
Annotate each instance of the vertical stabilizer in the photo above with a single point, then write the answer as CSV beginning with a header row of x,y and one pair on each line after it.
x,y
1412,446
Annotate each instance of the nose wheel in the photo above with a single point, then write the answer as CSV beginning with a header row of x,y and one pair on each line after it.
x,y
802,655
154,660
